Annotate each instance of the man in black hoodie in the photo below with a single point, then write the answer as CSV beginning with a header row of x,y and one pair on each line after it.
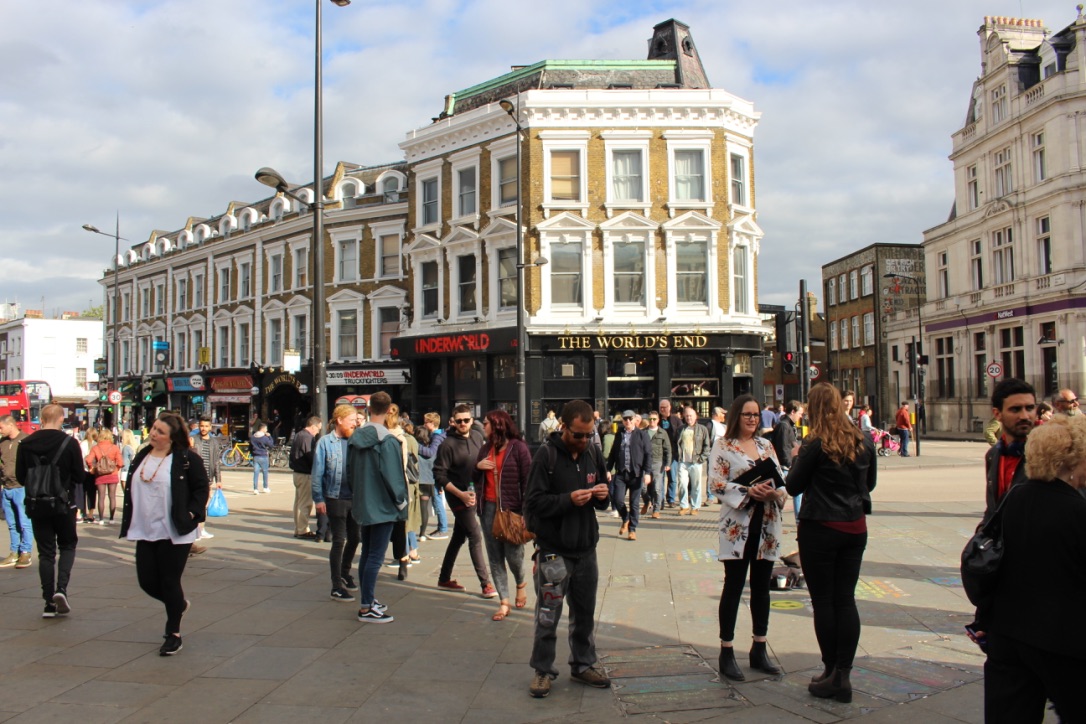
x,y
53,531
454,471
566,485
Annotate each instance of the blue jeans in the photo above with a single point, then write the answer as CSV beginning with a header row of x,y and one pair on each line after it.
x,y
672,478
689,484
22,533
260,464
375,540
440,512
904,435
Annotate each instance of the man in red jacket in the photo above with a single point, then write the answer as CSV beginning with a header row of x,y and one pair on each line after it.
x,y
904,425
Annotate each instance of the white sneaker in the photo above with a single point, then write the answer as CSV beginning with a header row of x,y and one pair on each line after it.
x,y
204,535
613,514
265,490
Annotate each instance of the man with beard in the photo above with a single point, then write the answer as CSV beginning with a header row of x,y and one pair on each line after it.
x,y
1065,402
1014,404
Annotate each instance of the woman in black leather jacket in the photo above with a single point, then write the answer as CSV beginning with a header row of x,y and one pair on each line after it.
x,y
835,471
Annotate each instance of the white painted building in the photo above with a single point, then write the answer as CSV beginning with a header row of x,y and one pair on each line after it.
x,y
1005,275
58,351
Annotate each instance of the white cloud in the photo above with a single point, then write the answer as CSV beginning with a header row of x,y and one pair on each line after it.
x,y
163,110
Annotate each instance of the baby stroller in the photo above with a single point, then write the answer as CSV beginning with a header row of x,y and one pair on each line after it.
x,y
887,443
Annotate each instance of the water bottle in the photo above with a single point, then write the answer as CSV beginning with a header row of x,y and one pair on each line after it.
x,y
471,488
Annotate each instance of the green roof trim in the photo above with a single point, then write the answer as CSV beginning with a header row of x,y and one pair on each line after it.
x,y
543,65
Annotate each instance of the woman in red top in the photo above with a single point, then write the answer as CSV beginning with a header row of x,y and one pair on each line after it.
x,y
502,475
105,462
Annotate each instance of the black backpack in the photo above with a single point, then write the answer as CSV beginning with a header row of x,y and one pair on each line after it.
x,y
412,468
46,493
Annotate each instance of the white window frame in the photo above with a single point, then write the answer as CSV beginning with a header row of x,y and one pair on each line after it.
x,y
1003,256
739,147
976,264
337,312
379,231
690,140
682,229
243,339
429,171
199,289
347,236
869,329
463,161
942,280
743,280
626,140
853,285
1040,163
629,228
833,337
275,256
843,337
856,331
1044,245
552,141
223,348
499,237
831,292
271,317
972,187
224,269
499,151
867,281
999,104
384,298
454,282
301,246
245,278
567,228
1002,172
181,294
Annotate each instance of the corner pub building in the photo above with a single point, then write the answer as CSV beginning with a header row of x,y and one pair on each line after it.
x,y
640,244
633,190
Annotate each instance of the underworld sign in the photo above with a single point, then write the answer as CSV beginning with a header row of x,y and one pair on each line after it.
x,y
633,341
464,343
367,376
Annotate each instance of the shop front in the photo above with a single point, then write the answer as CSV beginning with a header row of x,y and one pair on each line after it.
x,y
283,402
231,401
353,384
445,370
634,371
187,395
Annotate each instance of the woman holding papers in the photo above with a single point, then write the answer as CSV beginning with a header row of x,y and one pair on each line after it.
x,y
746,478
835,471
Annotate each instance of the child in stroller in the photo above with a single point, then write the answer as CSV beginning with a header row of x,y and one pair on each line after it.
x,y
886,442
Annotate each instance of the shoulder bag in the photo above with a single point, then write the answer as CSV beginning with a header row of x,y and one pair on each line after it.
x,y
508,526
982,556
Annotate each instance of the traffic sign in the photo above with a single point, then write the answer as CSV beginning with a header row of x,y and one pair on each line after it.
x,y
114,397
994,369
813,372
779,392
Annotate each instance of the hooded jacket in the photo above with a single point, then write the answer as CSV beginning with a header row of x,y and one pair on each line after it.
x,y
45,442
375,476
560,526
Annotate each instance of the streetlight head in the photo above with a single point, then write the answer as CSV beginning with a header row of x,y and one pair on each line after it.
x,y
541,261
271,177
507,106
91,228
888,276
342,3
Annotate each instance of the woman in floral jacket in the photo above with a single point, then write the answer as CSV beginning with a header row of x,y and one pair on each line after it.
x,y
750,531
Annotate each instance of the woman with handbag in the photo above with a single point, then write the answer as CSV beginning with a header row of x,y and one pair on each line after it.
x,y
835,472
164,501
749,530
502,475
1036,648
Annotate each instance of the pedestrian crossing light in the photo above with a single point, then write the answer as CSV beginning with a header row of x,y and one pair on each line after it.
x,y
103,395
148,388
789,366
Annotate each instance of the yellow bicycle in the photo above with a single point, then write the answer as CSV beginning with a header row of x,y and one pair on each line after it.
x,y
236,455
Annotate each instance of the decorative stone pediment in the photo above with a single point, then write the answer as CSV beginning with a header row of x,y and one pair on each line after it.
x,y
629,221
566,221
691,220
997,207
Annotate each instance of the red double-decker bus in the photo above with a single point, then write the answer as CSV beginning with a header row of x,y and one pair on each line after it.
x,y
23,400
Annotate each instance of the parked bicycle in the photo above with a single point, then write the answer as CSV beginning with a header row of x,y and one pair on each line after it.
x,y
236,455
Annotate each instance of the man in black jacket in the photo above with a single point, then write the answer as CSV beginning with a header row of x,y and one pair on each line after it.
x,y
53,531
568,473
631,463
301,463
454,470
785,434
1014,404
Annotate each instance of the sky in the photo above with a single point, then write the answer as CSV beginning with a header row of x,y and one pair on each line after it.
x,y
159,110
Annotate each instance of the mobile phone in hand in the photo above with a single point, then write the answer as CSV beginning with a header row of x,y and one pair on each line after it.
x,y
981,639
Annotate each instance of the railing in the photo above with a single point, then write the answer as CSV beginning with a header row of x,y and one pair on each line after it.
x,y
1035,94
976,297
940,305
1006,290
1044,282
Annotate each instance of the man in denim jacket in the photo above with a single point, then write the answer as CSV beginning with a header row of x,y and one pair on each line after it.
x,y
332,497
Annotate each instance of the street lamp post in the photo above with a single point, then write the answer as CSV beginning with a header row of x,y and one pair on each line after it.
x,y
114,359
269,177
919,380
522,392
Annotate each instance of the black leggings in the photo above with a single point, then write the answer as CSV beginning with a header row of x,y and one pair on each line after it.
x,y
426,493
831,567
735,573
159,565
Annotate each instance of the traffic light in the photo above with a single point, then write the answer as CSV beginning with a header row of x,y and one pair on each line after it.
x,y
789,366
147,386
786,332
103,395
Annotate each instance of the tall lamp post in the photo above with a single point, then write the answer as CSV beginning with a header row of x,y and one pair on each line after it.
x,y
114,358
916,353
522,336
270,177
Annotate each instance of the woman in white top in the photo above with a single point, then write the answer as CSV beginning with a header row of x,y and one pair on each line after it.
x,y
165,499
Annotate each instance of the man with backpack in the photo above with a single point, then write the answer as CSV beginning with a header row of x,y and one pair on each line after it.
x,y
49,465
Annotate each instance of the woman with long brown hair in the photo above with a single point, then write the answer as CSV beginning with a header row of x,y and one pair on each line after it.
x,y
105,462
502,476
835,471
750,530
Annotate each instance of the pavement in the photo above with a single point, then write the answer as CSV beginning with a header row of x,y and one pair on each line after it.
x,y
264,643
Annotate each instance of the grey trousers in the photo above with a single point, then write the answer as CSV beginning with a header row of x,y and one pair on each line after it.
x,y
560,581
500,553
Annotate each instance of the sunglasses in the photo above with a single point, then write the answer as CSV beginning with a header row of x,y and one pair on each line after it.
x,y
1072,401
580,435
627,418
462,421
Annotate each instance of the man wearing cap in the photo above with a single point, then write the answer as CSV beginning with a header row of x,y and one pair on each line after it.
x,y
630,462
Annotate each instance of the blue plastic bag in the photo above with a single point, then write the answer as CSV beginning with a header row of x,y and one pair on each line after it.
x,y
218,507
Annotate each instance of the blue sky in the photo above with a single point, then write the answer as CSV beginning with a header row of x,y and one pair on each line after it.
x,y
163,110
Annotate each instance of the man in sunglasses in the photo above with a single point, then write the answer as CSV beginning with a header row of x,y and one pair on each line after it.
x,y
566,485
454,469
1065,402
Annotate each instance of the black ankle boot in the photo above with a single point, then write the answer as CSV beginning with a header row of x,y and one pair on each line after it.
x,y
835,686
827,671
402,574
759,659
728,665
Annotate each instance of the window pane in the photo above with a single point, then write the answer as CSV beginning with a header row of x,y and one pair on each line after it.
x,y
566,273
626,175
739,280
689,176
467,191
507,173
348,333
390,327
507,277
429,201
630,272
429,288
565,175
390,255
466,267
690,262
